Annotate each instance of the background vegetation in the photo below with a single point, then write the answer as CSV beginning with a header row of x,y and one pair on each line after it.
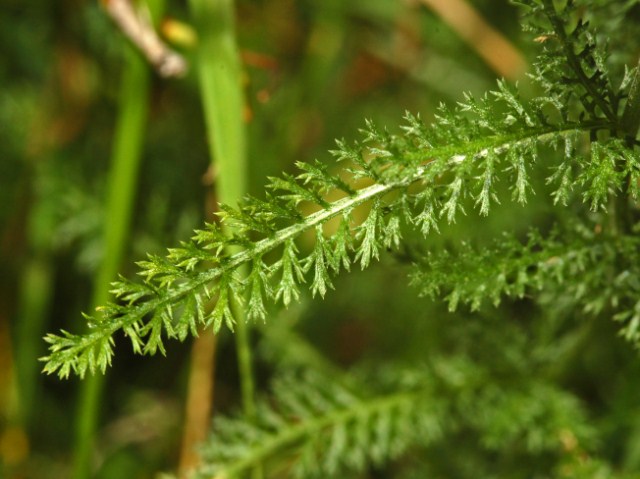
x,y
311,72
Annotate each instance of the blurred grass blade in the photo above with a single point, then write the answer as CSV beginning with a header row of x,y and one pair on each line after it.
x,y
220,76
121,189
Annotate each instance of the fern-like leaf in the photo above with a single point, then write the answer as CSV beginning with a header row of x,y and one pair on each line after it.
x,y
426,173
317,428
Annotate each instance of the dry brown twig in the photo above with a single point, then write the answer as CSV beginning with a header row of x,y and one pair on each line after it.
x,y
137,27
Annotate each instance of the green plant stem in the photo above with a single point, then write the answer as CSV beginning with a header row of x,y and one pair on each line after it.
x,y
35,299
36,292
220,77
223,103
121,188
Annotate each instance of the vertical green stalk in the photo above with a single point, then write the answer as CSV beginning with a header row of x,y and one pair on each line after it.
x,y
36,289
220,77
121,189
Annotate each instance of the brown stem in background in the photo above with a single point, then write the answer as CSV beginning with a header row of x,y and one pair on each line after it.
x,y
491,45
199,400
200,388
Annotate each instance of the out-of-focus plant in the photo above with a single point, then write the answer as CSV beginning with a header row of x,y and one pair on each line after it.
x,y
488,396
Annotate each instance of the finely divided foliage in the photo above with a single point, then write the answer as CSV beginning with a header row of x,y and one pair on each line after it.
x,y
315,427
580,261
326,427
581,122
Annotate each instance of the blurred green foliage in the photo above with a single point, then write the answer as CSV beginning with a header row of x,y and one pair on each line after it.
x,y
314,70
